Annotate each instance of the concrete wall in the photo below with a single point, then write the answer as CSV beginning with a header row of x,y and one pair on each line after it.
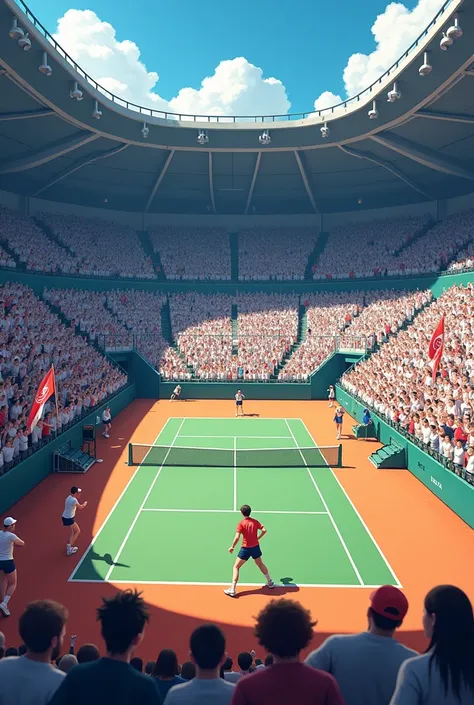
x,y
330,220
11,200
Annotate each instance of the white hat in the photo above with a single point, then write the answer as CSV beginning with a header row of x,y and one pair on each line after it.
x,y
9,521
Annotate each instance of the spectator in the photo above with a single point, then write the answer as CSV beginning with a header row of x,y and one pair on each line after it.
x,y
11,651
123,619
275,253
269,660
67,662
365,665
150,665
188,671
88,653
226,669
192,253
284,628
208,654
444,675
22,650
166,672
137,663
245,663
31,679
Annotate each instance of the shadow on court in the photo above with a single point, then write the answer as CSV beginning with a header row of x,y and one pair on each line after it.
x,y
251,416
106,558
287,586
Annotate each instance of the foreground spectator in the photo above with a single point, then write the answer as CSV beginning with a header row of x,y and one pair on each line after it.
x,y
284,628
208,654
67,663
88,653
31,679
123,619
166,672
366,665
444,675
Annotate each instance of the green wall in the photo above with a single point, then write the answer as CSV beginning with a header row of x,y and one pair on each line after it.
x,y
226,390
15,483
455,492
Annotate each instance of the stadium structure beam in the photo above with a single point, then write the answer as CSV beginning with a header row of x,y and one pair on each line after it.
x,y
78,165
422,155
252,183
211,184
386,165
26,114
158,181
449,117
52,151
305,180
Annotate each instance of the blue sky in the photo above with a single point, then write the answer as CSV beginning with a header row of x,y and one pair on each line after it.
x,y
305,44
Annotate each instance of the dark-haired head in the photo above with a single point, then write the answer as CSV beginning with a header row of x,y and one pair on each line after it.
x,y
284,628
123,618
448,622
245,661
207,647
188,670
136,663
166,665
246,510
88,653
42,626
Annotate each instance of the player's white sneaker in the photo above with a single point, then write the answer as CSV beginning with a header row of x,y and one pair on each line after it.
x,y
230,592
5,609
71,551
270,584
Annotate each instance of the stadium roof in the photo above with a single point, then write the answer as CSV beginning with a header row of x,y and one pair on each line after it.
x,y
417,147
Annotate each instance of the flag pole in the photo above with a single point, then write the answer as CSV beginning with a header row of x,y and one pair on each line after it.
x,y
55,396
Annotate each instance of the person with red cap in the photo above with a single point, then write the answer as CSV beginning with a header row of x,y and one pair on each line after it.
x,y
366,665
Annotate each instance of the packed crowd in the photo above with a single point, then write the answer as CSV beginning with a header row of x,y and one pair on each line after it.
x,y
202,329
279,253
36,251
99,248
368,668
364,249
397,381
192,253
267,330
32,338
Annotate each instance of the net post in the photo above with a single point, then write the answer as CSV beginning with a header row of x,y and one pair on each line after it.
x,y
339,456
130,454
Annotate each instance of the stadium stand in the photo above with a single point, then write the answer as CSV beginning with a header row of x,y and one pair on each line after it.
x,y
279,254
32,338
192,253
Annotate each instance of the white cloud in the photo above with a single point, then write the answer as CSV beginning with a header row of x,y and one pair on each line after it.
x,y
327,100
236,87
394,30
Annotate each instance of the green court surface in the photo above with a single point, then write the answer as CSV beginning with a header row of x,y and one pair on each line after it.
x,y
174,524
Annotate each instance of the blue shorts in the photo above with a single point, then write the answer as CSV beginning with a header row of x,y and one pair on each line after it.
x,y
239,403
68,522
246,553
7,566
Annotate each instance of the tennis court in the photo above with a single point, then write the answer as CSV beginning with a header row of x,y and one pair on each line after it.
x,y
176,518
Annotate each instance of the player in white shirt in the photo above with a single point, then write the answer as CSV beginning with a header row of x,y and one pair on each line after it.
x,y
69,518
331,395
176,393
470,465
459,457
8,539
107,421
239,403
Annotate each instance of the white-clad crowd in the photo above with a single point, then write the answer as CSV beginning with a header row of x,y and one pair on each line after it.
x,y
100,248
32,247
365,249
6,260
202,329
192,253
32,338
275,253
267,327
397,380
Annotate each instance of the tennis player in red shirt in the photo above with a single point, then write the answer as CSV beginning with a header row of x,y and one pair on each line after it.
x,y
249,529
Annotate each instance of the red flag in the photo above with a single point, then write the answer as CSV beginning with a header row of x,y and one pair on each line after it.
x,y
435,350
46,390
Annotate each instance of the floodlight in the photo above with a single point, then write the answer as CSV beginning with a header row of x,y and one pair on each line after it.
x,y
445,43
16,32
455,31
325,131
373,112
76,92
25,42
203,137
44,67
425,67
265,138
96,113
394,94
145,131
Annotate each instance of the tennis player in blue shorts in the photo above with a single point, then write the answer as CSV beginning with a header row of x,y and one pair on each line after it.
x,y
239,403
249,529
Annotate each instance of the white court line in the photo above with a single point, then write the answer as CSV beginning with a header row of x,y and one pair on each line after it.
x,y
243,585
286,438
336,528
94,538
398,583
122,545
235,473
228,511
231,418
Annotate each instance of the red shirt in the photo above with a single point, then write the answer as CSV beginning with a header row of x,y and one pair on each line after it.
x,y
249,527
287,684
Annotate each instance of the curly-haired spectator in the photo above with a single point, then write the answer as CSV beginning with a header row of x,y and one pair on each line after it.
x,y
31,679
112,679
284,628
207,646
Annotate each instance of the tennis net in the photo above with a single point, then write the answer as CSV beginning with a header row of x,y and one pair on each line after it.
x,y
184,456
